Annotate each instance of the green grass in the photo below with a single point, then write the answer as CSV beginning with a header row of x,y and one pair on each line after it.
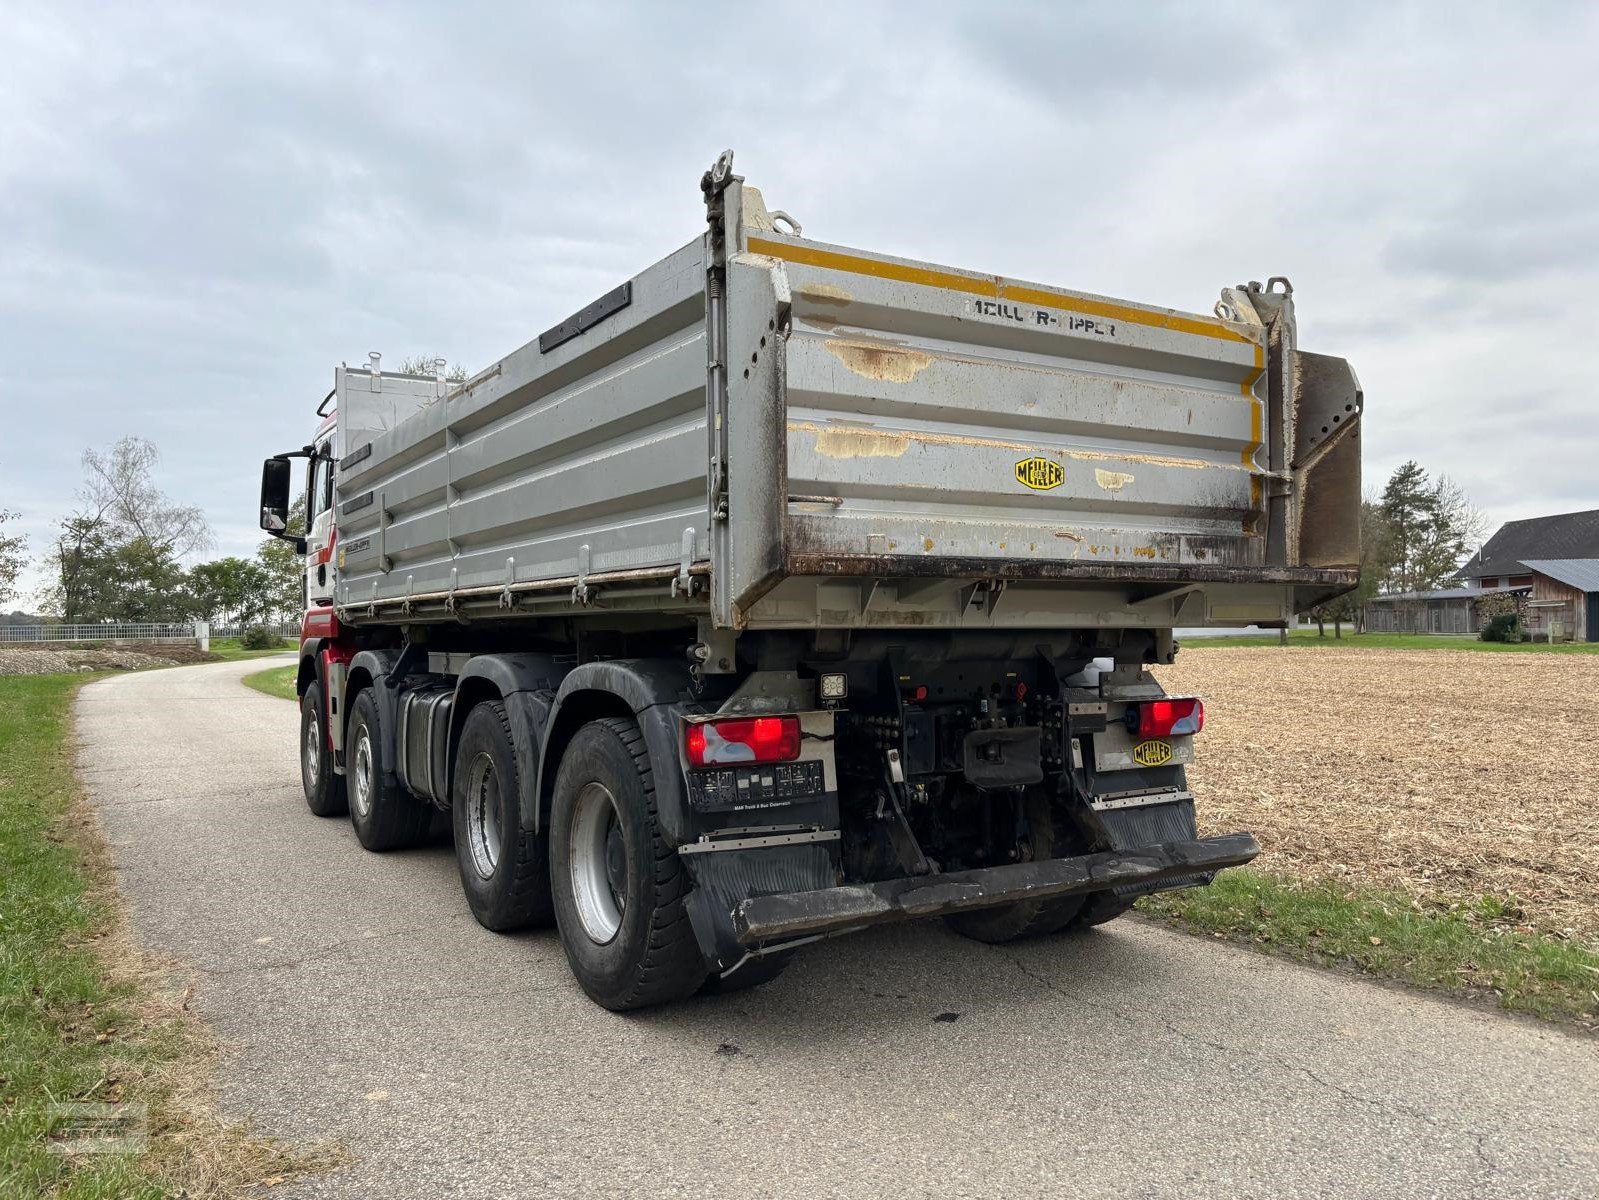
x,y
1390,641
230,649
275,681
59,1016
1480,948
79,1022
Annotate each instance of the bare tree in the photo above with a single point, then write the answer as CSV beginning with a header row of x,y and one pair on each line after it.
x,y
119,486
118,552
1463,523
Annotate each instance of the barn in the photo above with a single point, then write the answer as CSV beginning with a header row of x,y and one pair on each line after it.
x,y
1461,611
1564,604
1504,558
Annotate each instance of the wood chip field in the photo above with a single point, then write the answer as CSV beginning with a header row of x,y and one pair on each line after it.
x,y
1446,774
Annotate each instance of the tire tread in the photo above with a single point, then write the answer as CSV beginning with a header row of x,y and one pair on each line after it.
x,y
399,820
526,903
669,965
329,799
672,967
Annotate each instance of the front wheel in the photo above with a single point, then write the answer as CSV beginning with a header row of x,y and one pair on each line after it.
x,y
324,789
618,888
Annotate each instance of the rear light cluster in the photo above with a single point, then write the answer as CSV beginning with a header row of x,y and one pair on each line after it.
x,y
742,740
1171,717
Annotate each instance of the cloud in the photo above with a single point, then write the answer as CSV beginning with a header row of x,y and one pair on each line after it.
x,y
206,208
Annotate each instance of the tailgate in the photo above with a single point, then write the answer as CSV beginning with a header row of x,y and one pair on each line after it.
x,y
941,416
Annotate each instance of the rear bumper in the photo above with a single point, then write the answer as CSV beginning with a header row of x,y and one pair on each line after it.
x,y
856,906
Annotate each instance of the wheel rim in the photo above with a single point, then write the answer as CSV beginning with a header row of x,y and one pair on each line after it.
x,y
483,816
598,863
313,748
361,773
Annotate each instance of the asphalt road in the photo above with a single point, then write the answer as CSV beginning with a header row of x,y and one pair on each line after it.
x,y
362,1002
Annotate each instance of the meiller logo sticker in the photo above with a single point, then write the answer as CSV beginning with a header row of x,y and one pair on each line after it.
x,y
1040,474
1152,754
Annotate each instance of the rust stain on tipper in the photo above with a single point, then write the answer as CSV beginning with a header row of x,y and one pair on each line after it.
x,y
824,293
1111,481
890,364
845,442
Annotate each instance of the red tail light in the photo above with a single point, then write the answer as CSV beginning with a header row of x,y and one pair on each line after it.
x,y
1166,718
742,740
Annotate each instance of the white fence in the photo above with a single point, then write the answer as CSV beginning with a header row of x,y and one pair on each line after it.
x,y
152,631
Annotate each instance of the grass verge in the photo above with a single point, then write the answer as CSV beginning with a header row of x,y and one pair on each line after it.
x,y
275,681
85,1015
1481,949
229,649
1391,641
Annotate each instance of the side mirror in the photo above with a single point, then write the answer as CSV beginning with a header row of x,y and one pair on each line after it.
x,y
275,500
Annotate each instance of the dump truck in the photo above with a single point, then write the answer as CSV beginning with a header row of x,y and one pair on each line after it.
x,y
790,589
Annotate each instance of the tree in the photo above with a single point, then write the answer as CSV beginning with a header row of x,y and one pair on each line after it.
x,y
118,552
1430,528
150,584
13,548
432,366
80,562
1408,511
120,484
230,589
1459,527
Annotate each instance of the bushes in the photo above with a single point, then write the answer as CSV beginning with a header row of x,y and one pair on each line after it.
x,y
260,637
1503,628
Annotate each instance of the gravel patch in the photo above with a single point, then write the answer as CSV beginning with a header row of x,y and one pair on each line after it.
x,y
40,661
1443,773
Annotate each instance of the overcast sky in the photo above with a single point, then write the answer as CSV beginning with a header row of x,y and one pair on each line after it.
x,y
203,209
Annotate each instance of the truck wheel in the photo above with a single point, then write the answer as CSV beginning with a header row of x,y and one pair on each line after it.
x,y
1026,918
618,888
1099,908
324,789
384,815
505,870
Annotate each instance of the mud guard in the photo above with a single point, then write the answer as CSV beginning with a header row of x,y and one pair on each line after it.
x,y
650,688
526,685
726,879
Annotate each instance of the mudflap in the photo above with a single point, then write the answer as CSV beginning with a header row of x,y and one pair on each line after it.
x,y
725,879
1150,825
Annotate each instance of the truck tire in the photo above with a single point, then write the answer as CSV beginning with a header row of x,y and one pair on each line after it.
x,y
385,816
1027,918
618,888
1098,908
505,870
324,788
